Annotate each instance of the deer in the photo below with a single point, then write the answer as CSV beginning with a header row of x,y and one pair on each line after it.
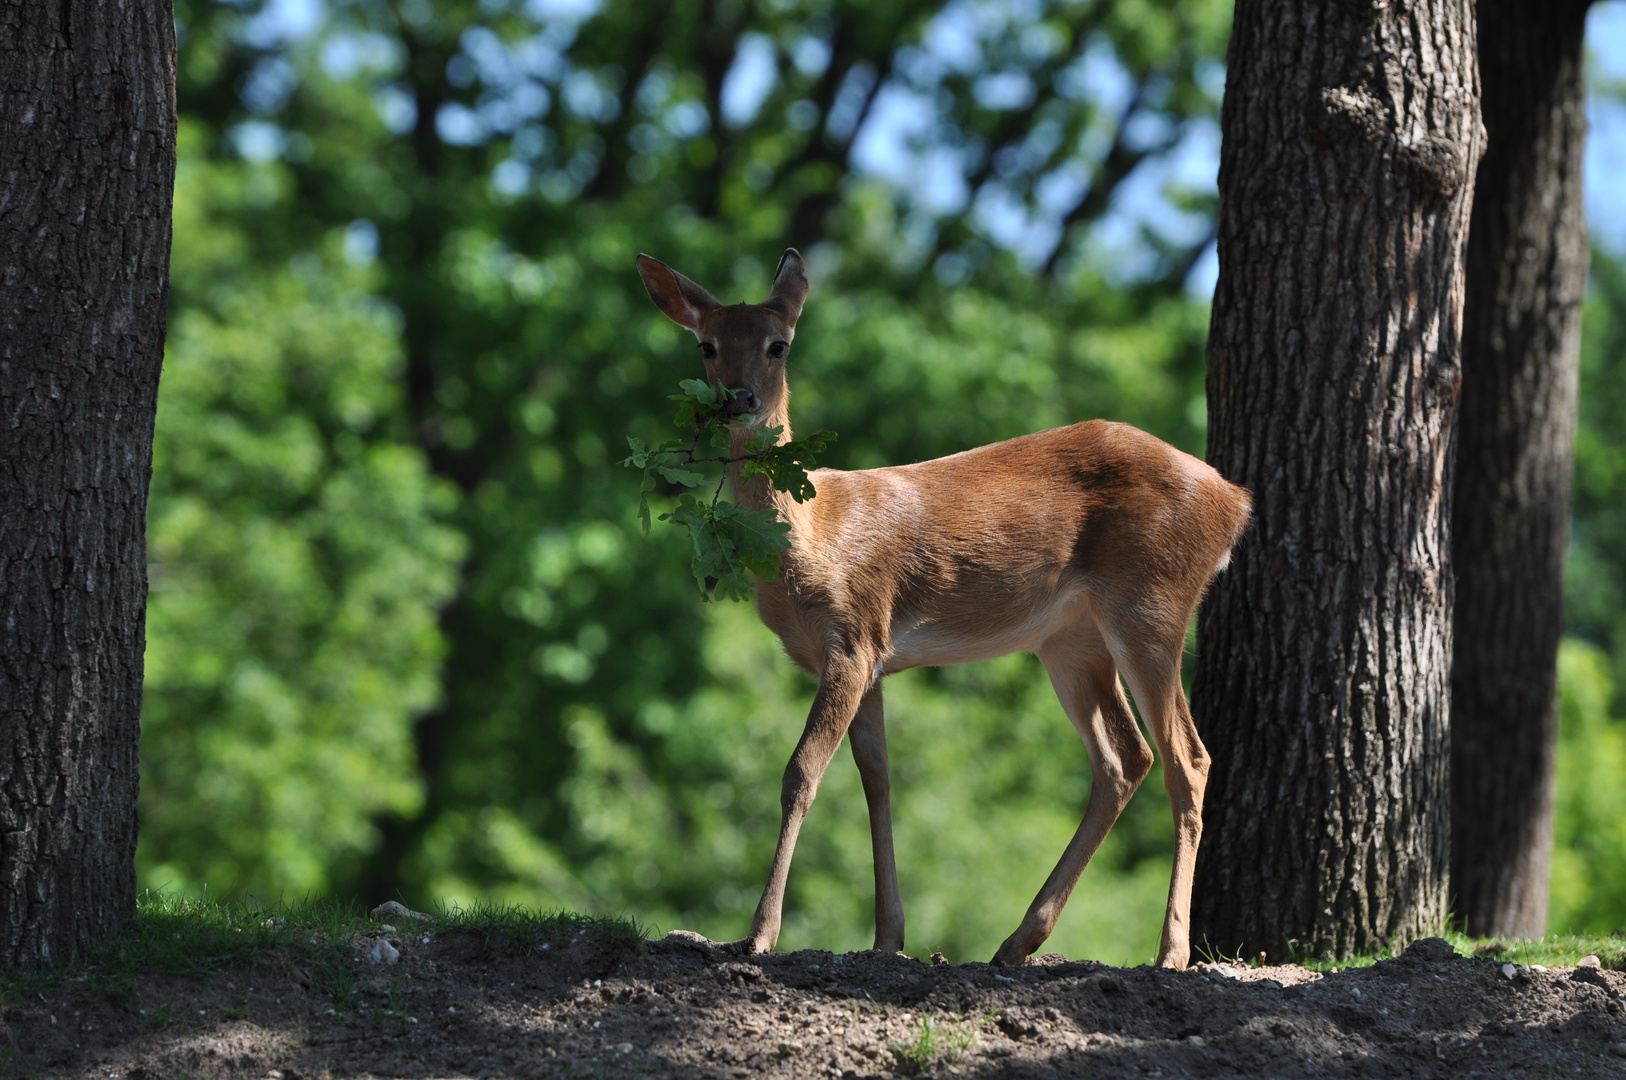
x,y
1089,545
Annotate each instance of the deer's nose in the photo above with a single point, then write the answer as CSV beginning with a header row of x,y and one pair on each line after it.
x,y
743,401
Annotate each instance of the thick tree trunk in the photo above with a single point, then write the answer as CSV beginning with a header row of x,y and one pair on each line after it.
x,y
1510,515
87,168
1351,134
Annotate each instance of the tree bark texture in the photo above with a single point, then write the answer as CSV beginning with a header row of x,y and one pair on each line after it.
x,y
1510,513
1351,133
87,169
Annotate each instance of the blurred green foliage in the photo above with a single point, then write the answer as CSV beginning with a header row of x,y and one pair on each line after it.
x,y
297,561
406,638
1589,859
1589,856
1596,587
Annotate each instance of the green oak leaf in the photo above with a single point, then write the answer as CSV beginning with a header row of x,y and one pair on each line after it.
x,y
731,544
786,466
675,475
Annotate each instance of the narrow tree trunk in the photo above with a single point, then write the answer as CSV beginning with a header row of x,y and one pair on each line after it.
x,y
87,167
1351,134
1510,516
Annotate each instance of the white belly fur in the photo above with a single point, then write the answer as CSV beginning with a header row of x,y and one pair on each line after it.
x,y
934,643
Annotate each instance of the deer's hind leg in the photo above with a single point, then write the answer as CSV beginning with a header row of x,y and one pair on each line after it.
x,y
868,738
1152,669
1082,671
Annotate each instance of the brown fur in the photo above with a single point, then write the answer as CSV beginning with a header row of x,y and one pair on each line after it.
x,y
1089,545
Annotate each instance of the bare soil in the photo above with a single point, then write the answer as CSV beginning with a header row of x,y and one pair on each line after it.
x,y
589,1005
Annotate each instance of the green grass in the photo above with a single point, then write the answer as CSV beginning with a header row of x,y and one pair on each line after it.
x,y
528,930
180,936
1555,950
935,1040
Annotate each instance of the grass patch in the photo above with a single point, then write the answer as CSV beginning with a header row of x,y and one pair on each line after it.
x,y
178,936
935,1040
1553,951
526,930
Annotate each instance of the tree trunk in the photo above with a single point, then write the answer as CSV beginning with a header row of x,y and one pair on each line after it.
x,y
1510,516
1351,134
87,156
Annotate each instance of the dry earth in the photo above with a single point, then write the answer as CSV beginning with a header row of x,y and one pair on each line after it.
x,y
459,1004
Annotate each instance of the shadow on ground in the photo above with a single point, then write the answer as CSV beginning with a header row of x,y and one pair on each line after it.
x,y
588,1005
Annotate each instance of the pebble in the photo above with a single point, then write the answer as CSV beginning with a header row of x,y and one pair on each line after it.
x,y
384,953
623,1048
392,909
1590,960
1509,971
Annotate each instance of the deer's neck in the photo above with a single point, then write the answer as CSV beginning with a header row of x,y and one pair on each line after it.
x,y
757,493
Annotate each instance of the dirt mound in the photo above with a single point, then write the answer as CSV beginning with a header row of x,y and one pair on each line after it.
x,y
586,1004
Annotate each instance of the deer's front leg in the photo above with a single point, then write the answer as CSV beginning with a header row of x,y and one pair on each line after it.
x,y
841,688
868,738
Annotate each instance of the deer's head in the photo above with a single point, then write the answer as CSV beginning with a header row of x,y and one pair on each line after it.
x,y
744,346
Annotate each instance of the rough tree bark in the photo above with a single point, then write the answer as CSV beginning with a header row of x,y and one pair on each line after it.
x,y
87,168
1510,514
1351,133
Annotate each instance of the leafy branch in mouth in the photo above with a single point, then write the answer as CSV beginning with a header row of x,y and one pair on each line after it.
x,y
730,541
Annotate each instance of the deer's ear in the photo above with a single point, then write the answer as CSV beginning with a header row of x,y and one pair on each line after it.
x,y
682,301
789,290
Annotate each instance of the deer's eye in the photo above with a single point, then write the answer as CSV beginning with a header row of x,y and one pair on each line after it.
x,y
708,350
777,350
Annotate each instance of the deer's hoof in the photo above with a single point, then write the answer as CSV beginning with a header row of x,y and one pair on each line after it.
x,y
1174,959
1011,954
746,947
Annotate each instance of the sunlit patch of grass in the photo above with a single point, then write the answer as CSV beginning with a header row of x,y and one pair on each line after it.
x,y
1553,951
935,1039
